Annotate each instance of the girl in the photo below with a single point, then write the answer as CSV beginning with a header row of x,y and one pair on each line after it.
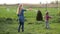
x,y
47,19
20,13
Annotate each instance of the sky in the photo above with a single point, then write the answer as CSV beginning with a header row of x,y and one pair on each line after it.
x,y
25,1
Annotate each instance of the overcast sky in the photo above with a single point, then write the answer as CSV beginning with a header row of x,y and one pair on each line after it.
x,y
25,1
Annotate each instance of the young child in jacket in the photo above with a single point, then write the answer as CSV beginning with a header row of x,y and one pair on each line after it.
x,y
47,17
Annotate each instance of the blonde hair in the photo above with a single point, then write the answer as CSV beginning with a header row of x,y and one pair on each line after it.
x,y
19,8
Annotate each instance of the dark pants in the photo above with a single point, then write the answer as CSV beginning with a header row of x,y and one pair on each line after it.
x,y
21,24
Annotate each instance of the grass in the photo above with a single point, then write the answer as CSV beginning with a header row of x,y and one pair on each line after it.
x,y
11,26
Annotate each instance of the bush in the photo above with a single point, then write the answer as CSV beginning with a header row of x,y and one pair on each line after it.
x,y
57,20
58,13
6,20
2,19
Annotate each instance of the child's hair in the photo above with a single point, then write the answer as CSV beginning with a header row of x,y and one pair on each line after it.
x,y
47,13
20,5
19,8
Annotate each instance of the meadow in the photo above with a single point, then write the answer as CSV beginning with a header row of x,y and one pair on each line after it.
x,y
9,21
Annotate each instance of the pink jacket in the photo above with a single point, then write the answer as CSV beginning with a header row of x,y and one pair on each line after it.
x,y
47,17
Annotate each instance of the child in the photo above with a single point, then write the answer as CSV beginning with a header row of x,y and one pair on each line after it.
x,y
47,19
20,13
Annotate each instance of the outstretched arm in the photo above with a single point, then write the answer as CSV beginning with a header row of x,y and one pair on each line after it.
x,y
31,9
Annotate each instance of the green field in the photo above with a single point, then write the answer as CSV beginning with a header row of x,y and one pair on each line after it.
x,y
11,26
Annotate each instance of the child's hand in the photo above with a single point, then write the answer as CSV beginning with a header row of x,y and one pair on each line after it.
x,y
17,14
29,9
50,17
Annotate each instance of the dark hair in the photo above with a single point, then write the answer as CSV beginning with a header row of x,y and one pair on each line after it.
x,y
47,13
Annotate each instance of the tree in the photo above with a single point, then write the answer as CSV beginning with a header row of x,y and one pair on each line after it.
x,y
40,2
56,2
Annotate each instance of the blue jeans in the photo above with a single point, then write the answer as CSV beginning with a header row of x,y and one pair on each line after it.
x,y
47,25
21,24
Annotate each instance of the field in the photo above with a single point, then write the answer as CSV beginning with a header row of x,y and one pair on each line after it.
x,y
9,23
